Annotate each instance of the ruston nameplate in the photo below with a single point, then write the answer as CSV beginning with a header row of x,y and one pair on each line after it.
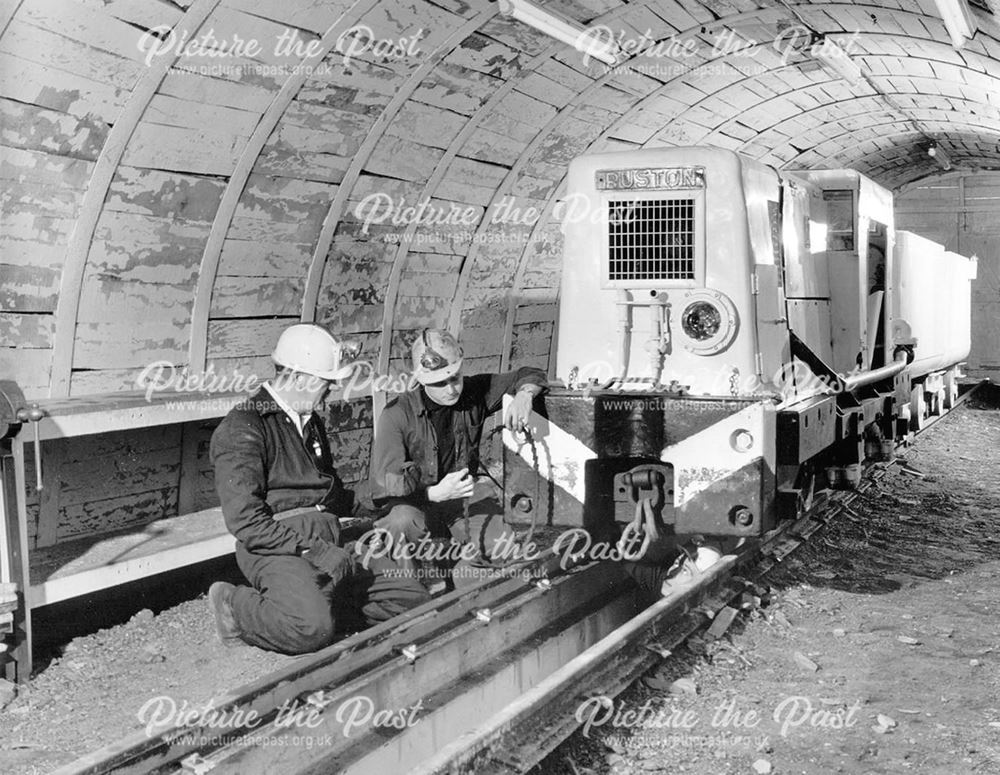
x,y
650,178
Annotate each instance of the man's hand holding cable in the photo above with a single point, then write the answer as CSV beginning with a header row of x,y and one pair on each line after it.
x,y
456,485
519,411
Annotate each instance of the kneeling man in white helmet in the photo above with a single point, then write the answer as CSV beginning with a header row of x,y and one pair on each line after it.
x,y
426,452
283,501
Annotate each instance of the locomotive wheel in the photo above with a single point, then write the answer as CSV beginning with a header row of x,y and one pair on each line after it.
x,y
918,407
808,490
950,389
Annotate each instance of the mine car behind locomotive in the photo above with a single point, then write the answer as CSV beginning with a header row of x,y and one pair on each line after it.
x,y
731,337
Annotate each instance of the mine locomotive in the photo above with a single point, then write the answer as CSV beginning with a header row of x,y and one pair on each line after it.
x,y
731,338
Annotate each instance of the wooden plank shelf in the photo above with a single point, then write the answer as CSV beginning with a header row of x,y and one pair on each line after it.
x,y
77,567
74,568
84,415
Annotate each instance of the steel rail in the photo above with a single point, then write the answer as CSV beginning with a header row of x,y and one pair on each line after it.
x,y
368,655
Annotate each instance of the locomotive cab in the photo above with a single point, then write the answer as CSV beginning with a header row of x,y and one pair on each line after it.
x,y
838,260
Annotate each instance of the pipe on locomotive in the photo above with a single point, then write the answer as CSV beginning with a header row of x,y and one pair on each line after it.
x,y
852,382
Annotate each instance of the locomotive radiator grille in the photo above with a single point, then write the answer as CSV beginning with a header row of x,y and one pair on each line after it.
x,y
651,239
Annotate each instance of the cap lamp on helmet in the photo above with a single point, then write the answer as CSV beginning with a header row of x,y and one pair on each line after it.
x,y
437,356
311,349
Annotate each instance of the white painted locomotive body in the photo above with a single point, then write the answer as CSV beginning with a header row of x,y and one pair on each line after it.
x,y
690,267
628,283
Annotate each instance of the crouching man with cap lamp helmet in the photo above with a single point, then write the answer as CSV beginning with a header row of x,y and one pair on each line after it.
x,y
284,502
426,452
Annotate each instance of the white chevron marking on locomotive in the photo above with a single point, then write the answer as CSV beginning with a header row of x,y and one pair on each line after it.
x,y
708,456
560,455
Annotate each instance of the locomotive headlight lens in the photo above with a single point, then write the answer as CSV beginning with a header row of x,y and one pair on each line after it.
x,y
709,321
701,320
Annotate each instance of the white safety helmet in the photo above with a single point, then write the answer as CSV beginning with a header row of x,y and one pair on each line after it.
x,y
437,356
311,349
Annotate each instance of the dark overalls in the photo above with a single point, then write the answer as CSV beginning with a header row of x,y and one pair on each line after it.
x,y
406,458
263,466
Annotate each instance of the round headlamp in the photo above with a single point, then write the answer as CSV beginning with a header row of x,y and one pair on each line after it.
x,y
709,321
701,320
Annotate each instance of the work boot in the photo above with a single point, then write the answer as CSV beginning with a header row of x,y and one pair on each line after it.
x,y
220,596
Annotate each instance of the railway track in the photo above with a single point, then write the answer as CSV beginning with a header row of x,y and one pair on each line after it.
x,y
485,679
